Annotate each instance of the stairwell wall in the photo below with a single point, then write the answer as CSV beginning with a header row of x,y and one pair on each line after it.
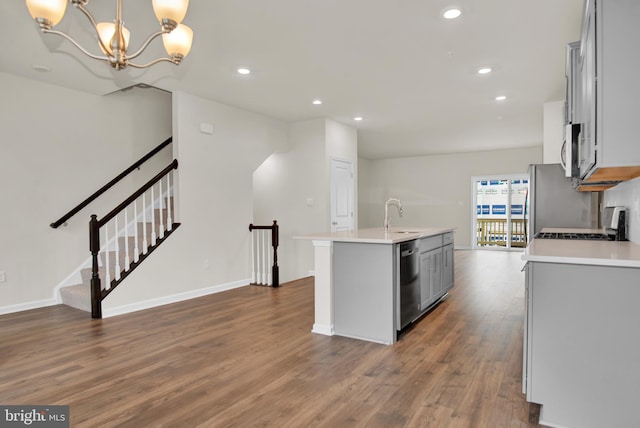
x,y
210,252
293,187
58,147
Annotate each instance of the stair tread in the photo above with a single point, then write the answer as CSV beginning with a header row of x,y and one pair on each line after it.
x,y
79,295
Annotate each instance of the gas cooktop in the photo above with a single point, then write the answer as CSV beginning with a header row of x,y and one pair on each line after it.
x,y
578,236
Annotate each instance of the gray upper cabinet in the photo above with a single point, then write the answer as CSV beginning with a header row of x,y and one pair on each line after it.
x,y
586,111
574,84
609,99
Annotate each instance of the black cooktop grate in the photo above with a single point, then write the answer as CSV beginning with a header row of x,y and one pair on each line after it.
x,y
575,236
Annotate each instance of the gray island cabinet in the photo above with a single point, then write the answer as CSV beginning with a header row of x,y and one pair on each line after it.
x,y
436,268
581,354
357,279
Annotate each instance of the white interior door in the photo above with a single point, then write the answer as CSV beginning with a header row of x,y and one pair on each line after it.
x,y
342,195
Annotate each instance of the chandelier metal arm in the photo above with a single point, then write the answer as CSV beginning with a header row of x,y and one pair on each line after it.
x,y
93,24
173,61
146,43
83,50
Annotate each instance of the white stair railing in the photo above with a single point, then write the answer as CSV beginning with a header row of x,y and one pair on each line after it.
x,y
116,259
264,248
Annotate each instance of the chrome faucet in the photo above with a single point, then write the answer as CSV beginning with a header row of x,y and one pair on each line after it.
x,y
391,201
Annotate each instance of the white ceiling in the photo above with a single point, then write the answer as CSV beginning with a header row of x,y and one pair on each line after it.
x,y
410,73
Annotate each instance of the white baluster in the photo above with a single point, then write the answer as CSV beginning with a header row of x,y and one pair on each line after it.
x,y
117,252
169,219
107,282
264,260
145,244
259,270
127,261
268,250
153,219
136,250
253,260
161,229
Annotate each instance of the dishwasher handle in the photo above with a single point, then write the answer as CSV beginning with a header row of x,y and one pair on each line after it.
x,y
407,253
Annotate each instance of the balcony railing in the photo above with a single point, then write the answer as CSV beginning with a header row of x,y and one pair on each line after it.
x,y
494,232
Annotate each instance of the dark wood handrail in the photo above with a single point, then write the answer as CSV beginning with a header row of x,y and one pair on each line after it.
x,y
107,186
137,193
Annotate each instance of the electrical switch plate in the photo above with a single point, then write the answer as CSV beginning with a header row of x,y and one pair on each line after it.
x,y
206,128
3,276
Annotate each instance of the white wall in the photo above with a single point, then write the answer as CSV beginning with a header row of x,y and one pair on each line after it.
x,y
210,251
287,180
627,194
366,216
434,190
58,147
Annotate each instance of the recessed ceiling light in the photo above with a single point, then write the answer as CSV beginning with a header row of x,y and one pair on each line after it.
x,y
357,118
317,102
484,70
452,13
501,98
244,70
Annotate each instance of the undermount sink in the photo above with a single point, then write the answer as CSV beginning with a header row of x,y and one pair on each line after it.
x,y
407,231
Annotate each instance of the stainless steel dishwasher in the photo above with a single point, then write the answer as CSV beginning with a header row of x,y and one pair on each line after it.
x,y
409,289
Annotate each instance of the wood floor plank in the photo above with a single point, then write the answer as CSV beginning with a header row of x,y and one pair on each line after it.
x,y
247,358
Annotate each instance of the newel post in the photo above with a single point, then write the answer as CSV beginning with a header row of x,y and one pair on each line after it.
x,y
96,289
275,269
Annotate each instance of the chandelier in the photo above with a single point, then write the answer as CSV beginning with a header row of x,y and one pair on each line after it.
x,y
113,37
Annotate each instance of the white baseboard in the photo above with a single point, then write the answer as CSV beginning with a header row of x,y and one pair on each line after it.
x,y
324,329
27,306
174,298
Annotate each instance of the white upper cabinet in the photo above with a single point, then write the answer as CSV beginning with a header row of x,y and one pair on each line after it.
x,y
608,107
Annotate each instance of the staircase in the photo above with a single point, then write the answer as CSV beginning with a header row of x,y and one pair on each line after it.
x,y
125,244
79,296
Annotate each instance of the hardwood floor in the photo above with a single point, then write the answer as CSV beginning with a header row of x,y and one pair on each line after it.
x,y
247,358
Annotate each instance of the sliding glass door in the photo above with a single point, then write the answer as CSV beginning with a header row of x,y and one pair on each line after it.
x,y
500,211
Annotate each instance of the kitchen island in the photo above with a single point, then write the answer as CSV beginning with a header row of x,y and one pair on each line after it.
x,y
581,355
357,278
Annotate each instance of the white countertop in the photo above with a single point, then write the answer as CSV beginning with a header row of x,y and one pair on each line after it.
x,y
377,235
584,252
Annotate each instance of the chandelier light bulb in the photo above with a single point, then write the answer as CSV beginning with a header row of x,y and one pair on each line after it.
x,y
170,9
50,10
106,31
178,42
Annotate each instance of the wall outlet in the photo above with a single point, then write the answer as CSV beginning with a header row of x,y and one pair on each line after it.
x,y
3,276
205,264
